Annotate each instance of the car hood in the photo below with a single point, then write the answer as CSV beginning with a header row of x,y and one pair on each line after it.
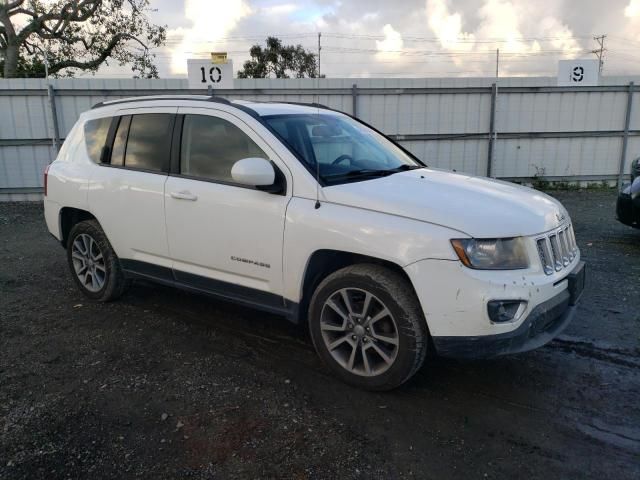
x,y
480,207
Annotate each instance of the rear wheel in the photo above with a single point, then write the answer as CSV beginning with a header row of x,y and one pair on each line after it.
x,y
367,326
93,263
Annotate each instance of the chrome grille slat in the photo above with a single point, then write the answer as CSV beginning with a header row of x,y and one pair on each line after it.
x,y
564,248
557,249
545,255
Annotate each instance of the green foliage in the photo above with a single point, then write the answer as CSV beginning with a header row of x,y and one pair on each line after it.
x,y
77,35
27,68
280,61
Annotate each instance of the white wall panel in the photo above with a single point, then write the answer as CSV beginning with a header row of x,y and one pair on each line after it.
x,y
563,157
466,156
27,117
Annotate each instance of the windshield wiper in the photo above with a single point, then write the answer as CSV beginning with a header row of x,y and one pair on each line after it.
x,y
404,168
372,172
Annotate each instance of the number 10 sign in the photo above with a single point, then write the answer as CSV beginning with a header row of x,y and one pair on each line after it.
x,y
202,73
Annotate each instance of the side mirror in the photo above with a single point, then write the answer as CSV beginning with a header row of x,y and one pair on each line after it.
x,y
256,172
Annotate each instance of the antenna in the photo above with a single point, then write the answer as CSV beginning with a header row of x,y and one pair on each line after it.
x,y
317,101
317,206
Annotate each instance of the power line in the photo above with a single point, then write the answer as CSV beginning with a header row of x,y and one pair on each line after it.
x,y
463,40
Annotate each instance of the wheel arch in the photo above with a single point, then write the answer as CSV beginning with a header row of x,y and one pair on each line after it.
x,y
70,216
324,262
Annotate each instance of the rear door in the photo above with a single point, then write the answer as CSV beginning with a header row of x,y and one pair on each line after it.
x,y
126,193
224,237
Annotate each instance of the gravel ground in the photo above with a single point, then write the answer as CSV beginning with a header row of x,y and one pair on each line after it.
x,y
166,384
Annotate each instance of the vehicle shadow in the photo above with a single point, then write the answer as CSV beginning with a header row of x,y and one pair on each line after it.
x,y
289,346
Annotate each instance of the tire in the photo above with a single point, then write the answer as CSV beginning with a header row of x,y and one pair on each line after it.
x,y
401,335
102,278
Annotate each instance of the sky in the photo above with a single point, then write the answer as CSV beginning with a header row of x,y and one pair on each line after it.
x,y
405,38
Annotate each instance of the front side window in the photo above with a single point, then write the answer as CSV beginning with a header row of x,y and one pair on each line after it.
x,y
149,141
210,146
340,148
95,136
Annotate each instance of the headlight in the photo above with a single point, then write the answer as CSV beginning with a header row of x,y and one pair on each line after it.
x,y
492,254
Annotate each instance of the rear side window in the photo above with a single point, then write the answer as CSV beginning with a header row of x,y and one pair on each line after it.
x,y
95,136
149,141
210,147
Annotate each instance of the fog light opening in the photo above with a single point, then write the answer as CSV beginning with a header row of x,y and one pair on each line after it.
x,y
501,311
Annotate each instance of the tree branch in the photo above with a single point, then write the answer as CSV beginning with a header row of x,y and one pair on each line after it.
x,y
96,62
38,22
79,34
12,5
29,48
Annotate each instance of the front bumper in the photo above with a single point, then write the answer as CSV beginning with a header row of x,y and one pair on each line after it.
x,y
545,322
454,301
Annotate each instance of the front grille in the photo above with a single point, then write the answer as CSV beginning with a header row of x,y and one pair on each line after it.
x,y
557,249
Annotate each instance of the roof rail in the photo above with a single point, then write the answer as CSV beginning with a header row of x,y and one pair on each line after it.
x,y
304,104
201,98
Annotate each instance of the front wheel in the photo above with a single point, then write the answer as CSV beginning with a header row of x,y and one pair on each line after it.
x,y
367,326
93,262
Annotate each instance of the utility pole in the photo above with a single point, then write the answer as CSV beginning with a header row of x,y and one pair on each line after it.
x,y
497,61
599,52
319,49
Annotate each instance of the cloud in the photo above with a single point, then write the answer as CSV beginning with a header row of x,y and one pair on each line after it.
x,y
283,8
437,37
447,26
390,47
209,24
500,25
392,40
633,9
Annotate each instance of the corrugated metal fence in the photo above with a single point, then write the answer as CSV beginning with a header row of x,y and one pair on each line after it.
x,y
523,128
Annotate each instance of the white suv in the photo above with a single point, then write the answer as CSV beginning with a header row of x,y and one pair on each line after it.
x,y
310,213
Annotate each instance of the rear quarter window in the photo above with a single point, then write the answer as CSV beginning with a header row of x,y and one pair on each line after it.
x,y
95,136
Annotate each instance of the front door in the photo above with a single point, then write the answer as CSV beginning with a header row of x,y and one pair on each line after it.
x,y
222,236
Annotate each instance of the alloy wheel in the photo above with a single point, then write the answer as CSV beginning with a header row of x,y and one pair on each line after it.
x,y
359,331
88,263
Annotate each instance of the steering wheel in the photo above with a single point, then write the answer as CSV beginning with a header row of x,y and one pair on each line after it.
x,y
342,158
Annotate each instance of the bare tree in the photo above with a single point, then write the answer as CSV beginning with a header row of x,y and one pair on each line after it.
x,y
78,35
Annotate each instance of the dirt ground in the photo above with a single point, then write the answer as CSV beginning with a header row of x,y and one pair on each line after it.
x,y
167,384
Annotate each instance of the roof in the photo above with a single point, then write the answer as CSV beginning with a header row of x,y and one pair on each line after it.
x,y
253,108
282,108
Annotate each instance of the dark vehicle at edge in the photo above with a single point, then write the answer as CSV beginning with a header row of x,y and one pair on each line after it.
x,y
628,205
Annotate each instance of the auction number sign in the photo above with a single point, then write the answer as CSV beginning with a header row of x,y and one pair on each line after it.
x,y
202,73
578,72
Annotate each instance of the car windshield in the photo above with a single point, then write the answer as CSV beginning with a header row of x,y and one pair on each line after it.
x,y
340,148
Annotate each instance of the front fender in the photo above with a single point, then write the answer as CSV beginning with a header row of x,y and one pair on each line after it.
x,y
396,239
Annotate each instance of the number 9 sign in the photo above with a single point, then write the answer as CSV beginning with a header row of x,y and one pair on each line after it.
x,y
202,74
579,72
577,76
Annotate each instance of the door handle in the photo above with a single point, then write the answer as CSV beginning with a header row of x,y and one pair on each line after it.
x,y
184,195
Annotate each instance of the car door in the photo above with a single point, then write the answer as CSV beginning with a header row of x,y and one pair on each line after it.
x,y
127,190
224,237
